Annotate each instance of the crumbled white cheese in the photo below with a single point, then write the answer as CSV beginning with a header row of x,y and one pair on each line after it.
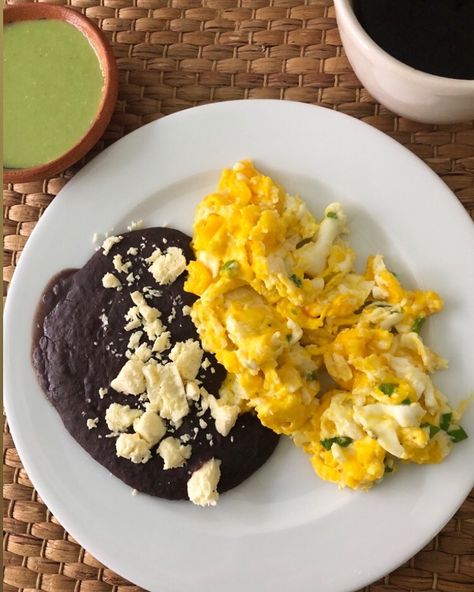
x,y
162,342
202,485
142,353
150,316
150,426
152,292
120,265
165,391
149,313
133,447
120,417
153,329
133,318
166,267
135,225
202,424
130,379
104,320
187,356
192,391
186,310
134,340
92,423
130,279
224,415
132,251
173,453
134,492
102,392
109,242
111,281
206,363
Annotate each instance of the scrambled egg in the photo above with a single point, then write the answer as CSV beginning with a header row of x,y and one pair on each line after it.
x,y
280,303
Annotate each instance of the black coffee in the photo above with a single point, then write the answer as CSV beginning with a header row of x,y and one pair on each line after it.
x,y
435,36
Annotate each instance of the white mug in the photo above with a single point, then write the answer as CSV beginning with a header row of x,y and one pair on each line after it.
x,y
406,91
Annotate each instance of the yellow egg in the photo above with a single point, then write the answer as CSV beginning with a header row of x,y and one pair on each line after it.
x,y
279,301
358,466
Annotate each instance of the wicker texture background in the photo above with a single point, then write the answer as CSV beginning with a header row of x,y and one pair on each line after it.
x,y
174,54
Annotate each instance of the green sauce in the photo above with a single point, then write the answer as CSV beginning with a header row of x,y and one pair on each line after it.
x,y
52,90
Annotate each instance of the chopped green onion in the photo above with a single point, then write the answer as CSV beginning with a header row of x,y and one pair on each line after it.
x,y
406,402
343,441
393,273
418,324
445,421
458,434
230,266
288,337
296,280
331,215
433,429
387,388
388,469
312,375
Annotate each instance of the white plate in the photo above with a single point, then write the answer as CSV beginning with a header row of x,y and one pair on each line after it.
x,y
283,528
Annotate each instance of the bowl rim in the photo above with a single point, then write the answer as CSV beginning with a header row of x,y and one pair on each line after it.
x,y
103,51
345,10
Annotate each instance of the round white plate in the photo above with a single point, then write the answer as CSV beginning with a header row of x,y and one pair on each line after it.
x,y
284,528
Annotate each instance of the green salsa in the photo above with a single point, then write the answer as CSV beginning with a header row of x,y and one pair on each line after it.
x,y
52,90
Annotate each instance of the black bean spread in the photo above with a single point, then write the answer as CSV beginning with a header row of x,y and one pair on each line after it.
x,y
96,326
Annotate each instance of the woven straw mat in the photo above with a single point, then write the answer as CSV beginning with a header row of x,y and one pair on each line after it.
x,y
174,54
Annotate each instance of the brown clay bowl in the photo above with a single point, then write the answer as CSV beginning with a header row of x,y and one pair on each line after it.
x,y
28,12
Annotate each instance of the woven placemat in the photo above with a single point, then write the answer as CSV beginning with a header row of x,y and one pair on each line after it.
x,y
174,54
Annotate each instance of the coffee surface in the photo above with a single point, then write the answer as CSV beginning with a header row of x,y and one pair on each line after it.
x,y
434,36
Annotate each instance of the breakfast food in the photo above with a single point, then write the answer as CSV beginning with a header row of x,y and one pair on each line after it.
x,y
177,367
280,304
118,356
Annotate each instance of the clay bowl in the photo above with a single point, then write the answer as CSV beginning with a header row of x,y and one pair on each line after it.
x,y
28,12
